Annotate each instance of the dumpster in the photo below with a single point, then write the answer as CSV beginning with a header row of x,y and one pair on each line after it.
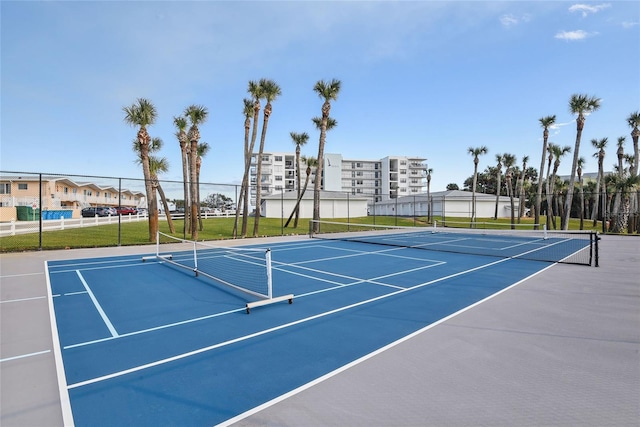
x,y
57,214
27,213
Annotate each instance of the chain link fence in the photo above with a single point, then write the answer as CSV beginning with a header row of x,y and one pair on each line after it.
x,y
54,211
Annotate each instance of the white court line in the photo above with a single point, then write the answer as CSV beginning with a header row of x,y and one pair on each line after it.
x,y
22,299
22,356
274,329
105,319
20,275
65,401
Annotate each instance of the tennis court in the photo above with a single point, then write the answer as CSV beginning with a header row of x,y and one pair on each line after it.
x,y
152,343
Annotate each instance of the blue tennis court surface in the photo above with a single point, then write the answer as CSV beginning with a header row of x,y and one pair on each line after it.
x,y
145,343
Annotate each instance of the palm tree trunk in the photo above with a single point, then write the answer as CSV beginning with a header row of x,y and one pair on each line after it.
x,y
297,206
594,213
265,123
165,204
317,184
297,209
498,183
152,201
185,179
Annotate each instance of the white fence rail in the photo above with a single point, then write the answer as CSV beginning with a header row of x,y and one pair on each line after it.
x,y
13,227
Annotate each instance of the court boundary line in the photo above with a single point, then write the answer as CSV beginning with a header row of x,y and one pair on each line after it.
x,y
22,356
65,400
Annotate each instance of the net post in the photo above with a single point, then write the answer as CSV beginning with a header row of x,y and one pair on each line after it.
x,y
157,243
544,231
269,277
597,255
195,258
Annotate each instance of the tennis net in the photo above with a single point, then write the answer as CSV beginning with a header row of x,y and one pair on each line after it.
x,y
247,270
572,247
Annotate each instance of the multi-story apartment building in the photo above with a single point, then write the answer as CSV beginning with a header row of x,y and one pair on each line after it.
x,y
59,192
378,180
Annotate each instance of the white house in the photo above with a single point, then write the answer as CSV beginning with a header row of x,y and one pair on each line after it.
x,y
453,203
332,205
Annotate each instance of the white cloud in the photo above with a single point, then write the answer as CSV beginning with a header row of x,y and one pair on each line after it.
x,y
626,25
586,9
573,35
510,20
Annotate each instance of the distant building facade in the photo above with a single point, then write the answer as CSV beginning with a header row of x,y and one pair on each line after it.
x,y
59,192
375,180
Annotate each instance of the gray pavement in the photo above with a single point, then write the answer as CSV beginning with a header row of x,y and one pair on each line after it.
x,y
561,348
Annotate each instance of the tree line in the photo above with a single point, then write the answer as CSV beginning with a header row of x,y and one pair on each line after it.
x,y
616,193
142,114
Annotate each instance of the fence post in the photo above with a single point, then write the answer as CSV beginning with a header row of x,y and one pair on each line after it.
x,y
13,227
40,219
62,223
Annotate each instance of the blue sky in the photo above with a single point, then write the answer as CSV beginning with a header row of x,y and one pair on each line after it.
x,y
419,78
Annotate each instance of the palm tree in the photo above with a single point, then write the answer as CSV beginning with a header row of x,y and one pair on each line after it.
x,y
203,149
429,172
143,113
620,154
476,153
621,172
498,179
521,180
329,92
156,165
197,114
299,139
581,162
311,162
600,144
509,161
557,153
634,123
546,123
581,105
270,91
243,198
255,90
181,124
625,186
549,195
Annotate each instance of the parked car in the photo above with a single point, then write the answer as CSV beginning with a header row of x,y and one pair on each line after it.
x,y
95,211
126,210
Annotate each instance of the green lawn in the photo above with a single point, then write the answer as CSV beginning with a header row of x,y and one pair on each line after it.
x,y
137,233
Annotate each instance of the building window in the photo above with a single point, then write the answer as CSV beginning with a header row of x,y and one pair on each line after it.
x,y
278,178
265,158
359,182
22,186
5,188
278,158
